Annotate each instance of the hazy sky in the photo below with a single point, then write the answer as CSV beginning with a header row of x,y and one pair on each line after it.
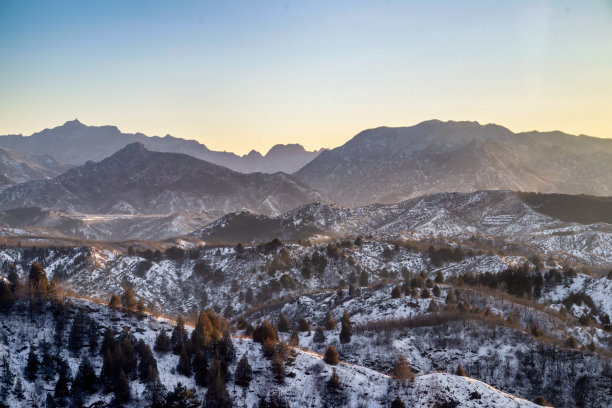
x,y
239,75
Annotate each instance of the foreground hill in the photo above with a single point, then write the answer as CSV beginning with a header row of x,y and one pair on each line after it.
x,y
495,218
76,143
136,180
86,330
392,164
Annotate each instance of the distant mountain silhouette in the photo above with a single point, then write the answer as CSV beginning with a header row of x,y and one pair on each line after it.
x,y
393,164
135,180
75,143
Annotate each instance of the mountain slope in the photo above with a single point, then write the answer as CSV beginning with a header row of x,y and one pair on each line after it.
x,y
18,167
392,164
503,216
76,143
135,180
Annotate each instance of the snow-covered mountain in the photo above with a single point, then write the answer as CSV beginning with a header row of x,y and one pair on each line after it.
x,y
76,143
136,180
388,165
489,217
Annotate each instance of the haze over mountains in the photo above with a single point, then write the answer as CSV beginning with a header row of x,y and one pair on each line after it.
x,y
137,181
393,164
171,185
75,143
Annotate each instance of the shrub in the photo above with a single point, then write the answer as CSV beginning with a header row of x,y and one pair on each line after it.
x,y
331,356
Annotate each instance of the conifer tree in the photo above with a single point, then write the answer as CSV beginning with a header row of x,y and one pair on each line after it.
x,y
19,391
319,336
331,356
398,403
364,279
303,325
162,342
61,391
294,340
401,369
450,298
396,292
330,322
184,363
460,371
128,300
334,381
345,331
121,390
155,392
85,380
77,333
217,395
425,294
114,302
201,336
200,368
178,339
436,292
278,369
265,332
31,368
243,373
147,368
284,325
182,397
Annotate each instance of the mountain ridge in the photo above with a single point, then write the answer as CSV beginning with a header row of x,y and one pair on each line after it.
x,y
76,143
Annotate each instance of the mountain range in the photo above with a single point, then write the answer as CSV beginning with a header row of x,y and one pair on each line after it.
x,y
138,181
389,165
75,143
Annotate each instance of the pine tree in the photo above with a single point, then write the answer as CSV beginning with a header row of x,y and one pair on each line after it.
x,y
319,336
278,369
284,325
331,356
114,302
364,279
178,339
334,381
184,363
201,336
345,331
450,298
330,322
162,342
7,297
401,369
147,368
47,362
460,371
294,340
31,368
61,391
396,292
92,336
265,332
303,325
121,390
85,380
37,280
182,397
77,333
128,300
225,348
436,291
425,294
217,395
200,368
155,392
243,373
398,403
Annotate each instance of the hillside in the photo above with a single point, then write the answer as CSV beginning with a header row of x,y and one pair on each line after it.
x,y
64,379
501,218
388,165
135,180
76,143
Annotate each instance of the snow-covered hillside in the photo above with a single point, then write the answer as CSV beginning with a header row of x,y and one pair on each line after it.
x,y
304,385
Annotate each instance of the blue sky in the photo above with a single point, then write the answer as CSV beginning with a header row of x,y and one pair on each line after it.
x,y
239,75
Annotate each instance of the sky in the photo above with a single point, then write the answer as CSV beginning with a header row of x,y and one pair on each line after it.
x,y
242,75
